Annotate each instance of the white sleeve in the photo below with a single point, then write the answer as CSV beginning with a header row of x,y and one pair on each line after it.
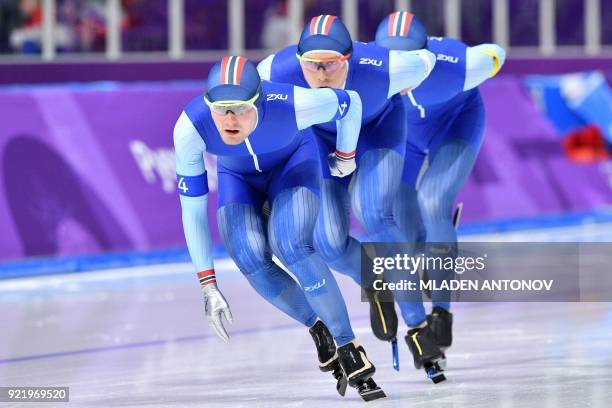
x,y
349,126
314,106
407,69
189,150
481,63
265,68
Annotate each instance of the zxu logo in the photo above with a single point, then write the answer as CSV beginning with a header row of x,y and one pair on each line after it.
x,y
277,97
448,58
316,286
370,61
342,108
182,185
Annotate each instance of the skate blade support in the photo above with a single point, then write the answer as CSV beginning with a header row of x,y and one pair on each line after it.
x,y
434,372
341,384
395,354
341,380
369,390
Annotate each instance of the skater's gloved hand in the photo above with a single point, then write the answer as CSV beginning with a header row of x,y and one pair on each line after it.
x,y
215,305
341,164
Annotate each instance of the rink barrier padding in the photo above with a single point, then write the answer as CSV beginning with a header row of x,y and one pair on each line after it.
x,y
75,264
61,72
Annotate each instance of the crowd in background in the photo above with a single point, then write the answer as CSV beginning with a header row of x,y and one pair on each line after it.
x,y
81,24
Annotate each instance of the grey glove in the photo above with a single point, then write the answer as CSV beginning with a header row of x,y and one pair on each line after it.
x,y
340,166
215,305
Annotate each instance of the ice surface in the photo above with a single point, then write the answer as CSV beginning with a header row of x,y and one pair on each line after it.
x,y
137,337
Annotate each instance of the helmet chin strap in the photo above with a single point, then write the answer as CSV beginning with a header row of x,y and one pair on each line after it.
x,y
256,122
345,78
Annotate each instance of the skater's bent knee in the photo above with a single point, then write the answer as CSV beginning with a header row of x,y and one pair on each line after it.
x,y
435,206
264,280
290,249
330,249
376,218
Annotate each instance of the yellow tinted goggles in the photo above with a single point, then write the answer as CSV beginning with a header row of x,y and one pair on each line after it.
x,y
236,107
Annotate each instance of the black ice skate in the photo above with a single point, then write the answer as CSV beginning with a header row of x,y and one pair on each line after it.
x,y
383,318
440,321
359,371
328,357
426,353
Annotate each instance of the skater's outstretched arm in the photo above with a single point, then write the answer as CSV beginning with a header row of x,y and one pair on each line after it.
x,y
193,189
482,62
265,68
407,69
315,106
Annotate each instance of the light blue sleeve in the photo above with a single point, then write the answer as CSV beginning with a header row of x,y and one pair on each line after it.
x,y
265,68
314,106
407,69
189,151
481,63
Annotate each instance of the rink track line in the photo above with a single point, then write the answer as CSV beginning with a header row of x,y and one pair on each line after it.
x,y
151,343
129,273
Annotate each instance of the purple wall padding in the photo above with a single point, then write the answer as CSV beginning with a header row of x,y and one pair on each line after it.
x,y
102,71
89,169
22,73
521,170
